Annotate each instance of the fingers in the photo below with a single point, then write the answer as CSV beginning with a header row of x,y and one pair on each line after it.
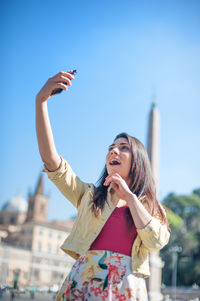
x,y
114,186
56,84
64,74
61,85
112,178
64,77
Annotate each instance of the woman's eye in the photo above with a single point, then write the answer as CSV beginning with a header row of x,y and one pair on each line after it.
x,y
124,148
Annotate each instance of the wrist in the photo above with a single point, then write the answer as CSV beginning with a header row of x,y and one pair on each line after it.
x,y
40,99
131,197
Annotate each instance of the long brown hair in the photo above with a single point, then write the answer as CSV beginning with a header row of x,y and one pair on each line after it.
x,y
141,184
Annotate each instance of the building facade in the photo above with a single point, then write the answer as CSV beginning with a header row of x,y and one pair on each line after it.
x,y
30,244
32,268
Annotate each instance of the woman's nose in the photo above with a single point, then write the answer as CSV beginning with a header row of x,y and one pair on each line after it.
x,y
114,150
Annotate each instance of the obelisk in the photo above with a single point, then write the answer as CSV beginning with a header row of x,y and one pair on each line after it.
x,y
153,148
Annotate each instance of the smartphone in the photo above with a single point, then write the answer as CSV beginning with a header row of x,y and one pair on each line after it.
x,y
59,90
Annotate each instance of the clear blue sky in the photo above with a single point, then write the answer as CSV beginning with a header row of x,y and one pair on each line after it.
x,y
124,52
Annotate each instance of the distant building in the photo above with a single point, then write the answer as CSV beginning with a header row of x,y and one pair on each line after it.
x,y
14,212
30,244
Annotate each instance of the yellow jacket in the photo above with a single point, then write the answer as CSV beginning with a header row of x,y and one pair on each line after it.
x,y
87,227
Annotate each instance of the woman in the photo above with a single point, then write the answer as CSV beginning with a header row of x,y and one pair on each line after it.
x,y
118,222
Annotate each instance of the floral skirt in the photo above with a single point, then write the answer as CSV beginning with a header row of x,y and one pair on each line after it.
x,y
103,275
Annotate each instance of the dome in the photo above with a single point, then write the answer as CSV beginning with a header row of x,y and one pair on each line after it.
x,y
16,204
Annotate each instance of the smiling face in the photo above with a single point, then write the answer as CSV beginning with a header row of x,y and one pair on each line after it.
x,y
119,158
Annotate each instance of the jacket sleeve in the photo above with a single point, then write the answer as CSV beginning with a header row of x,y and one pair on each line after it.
x,y
68,183
155,235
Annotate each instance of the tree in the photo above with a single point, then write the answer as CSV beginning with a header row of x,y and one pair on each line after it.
x,y
184,217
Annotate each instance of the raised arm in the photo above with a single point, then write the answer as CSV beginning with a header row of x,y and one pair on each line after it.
x,y
45,138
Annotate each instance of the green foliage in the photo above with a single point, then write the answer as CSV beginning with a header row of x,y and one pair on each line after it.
x,y
184,218
197,191
174,219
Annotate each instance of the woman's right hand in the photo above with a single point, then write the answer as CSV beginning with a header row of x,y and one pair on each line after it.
x,y
55,82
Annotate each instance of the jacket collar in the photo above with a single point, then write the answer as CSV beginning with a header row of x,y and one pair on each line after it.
x,y
112,196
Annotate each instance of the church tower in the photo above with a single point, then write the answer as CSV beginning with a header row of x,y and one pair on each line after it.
x,y
153,147
37,204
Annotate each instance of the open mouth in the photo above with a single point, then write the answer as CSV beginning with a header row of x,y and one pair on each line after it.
x,y
114,162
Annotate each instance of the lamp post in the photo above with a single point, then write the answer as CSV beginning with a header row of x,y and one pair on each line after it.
x,y
175,250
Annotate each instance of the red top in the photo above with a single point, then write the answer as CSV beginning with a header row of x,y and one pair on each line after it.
x,y
116,235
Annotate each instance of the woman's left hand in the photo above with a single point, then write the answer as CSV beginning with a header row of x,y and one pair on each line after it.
x,y
139,213
119,185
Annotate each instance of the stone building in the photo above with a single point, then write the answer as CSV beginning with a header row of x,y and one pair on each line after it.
x,y
30,244
33,268
14,212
